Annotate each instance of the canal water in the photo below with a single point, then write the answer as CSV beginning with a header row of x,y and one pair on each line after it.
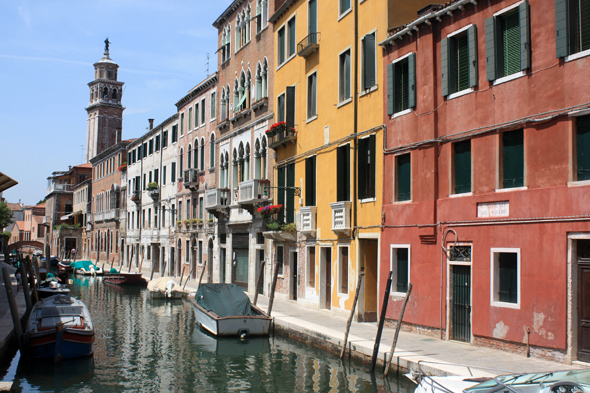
x,y
150,345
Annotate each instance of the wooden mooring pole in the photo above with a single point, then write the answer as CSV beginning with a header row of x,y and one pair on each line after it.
x,y
381,323
274,286
131,259
356,298
24,280
397,329
200,277
259,282
33,278
18,329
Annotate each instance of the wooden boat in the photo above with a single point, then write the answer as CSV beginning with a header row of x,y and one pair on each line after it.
x,y
165,288
225,310
50,288
60,327
53,260
64,266
122,278
86,268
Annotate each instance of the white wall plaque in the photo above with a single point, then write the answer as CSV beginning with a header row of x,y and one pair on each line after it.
x,y
493,209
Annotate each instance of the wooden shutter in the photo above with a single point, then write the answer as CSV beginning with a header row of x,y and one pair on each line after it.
x,y
292,43
583,147
310,181
390,89
561,28
369,61
490,25
281,108
362,151
343,173
412,81
290,106
444,66
290,211
511,44
525,36
473,64
372,167
462,162
404,177
513,159
281,49
281,192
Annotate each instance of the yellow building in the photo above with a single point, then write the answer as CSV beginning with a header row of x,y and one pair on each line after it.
x,y
328,88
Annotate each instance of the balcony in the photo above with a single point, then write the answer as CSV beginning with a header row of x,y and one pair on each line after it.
x,y
341,217
136,197
53,187
308,216
109,215
217,201
280,136
308,45
251,192
191,179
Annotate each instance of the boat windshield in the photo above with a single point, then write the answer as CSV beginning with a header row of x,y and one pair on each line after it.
x,y
581,377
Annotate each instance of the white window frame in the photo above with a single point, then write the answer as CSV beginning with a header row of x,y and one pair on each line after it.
x,y
315,116
339,275
393,268
287,36
405,111
212,98
495,277
469,89
516,75
346,12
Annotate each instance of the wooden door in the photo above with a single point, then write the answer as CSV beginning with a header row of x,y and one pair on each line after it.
x,y
294,279
328,278
584,300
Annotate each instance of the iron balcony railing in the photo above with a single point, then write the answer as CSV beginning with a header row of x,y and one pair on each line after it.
x,y
308,45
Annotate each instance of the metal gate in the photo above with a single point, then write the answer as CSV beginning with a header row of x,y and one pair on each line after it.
x,y
461,329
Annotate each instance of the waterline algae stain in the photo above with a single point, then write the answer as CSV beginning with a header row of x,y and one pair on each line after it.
x,y
150,345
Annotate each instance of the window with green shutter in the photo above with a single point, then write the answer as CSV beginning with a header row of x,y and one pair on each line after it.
x,y
461,54
281,108
509,44
583,147
291,34
343,173
513,159
286,193
402,270
281,45
290,107
313,20
344,6
462,164
366,167
310,181
579,16
457,52
344,76
403,171
401,86
368,77
312,95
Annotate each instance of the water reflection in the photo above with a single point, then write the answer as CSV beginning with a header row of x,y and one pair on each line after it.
x,y
153,345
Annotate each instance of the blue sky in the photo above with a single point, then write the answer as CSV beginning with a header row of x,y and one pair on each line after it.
x,y
47,52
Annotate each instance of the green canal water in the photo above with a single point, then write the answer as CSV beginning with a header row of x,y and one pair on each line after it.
x,y
148,345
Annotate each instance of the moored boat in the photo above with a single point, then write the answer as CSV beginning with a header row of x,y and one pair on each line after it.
x,y
60,327
64,266
225,310
86,268
122,278
51,287
165,288
53,260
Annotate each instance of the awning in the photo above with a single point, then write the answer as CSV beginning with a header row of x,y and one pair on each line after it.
x,y
6,182
67,216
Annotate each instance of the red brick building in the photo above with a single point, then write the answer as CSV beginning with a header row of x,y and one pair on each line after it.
x,y
486,185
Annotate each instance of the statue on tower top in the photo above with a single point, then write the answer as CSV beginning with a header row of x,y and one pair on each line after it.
x,y
106,45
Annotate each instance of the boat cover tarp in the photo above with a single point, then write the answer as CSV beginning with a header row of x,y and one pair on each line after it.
x,y
160,284
82,265
114,271
224,300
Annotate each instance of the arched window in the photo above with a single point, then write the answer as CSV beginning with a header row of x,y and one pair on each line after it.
x,y
265,78
114,95
246,163
212,151
188,161
236,96
105,92
241,154
263,154
235,169
226,169
221,171
202,153
247,86
257,161
258,81
195,155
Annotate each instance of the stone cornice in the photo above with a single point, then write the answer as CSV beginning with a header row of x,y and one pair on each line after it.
x,y
154,130
197,90
115,106
228,11
107,81
281,11
120,146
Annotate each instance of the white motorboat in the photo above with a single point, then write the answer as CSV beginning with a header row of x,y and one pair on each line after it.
x,y
165,288
225,310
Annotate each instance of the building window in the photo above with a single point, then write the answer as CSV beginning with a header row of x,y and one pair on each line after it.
x,y
505,277
572,26
286,192
310,181
344,6
203,111
311,267
181,160
343,173
460,253
213,102
312,85
157,143
190,119
212,151
151,147
197,122
343,269
164,175
281,45
261,15
369,62
173,173
512,159
286,41
344,76
291,36
366,167
403,177
202,153
286,107
174,133
508,42
401,86
400,266
201,215
164,139
280,262
583,148
281,108
181,124
462,167
459,61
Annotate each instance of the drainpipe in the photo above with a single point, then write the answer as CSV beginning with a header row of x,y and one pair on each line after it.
x,y
355,122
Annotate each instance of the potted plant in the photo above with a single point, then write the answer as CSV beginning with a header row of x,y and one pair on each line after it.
x,y
136,199
268,211
178,223
289,228
152,186
123,167
200,221
273,226
276,128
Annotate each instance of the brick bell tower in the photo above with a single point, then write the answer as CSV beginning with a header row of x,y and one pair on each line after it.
x,y
105,112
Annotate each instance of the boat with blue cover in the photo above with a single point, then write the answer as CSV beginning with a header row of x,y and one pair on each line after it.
x,y
60,327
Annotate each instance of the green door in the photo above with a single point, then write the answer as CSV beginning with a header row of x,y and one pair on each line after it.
x,y
461,307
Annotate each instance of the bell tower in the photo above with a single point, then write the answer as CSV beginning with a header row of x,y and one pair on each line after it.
x,y
105,112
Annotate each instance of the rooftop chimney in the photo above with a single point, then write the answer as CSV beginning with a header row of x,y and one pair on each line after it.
x,y
151,123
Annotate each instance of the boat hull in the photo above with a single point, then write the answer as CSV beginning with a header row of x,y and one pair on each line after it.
x,y
124,279
256,325
73,345
163,295
46,292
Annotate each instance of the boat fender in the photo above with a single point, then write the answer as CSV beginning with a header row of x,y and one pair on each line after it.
x,y
243,333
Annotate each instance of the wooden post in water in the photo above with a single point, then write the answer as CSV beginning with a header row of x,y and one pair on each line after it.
x,y
131,259
272,289
112,263
200,277
153,269
18,329
31,273
259,282
397,329
35,264
141,263
356,298
24,279
181,274
381,323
